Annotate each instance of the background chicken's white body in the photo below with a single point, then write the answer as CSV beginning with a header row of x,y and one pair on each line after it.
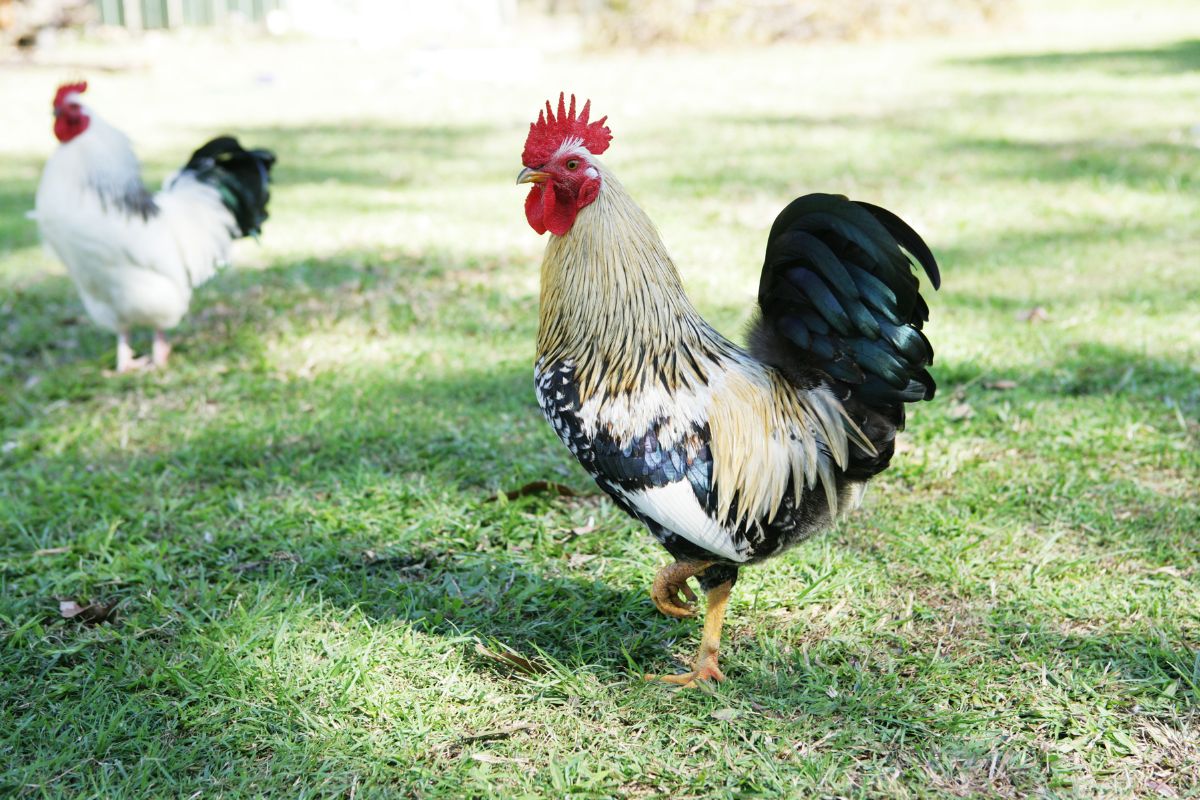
x,y
134,259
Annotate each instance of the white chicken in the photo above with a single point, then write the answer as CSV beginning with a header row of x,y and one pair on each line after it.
x,y
135,256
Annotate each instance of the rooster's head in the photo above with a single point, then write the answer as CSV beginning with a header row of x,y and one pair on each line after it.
x,y
70,117
559,161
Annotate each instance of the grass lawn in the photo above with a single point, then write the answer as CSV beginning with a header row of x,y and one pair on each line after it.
x,y
298,518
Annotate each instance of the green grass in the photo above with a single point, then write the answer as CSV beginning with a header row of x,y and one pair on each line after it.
x,y
295,518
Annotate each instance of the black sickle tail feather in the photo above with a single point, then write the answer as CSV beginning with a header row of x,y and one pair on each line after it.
x,y
240,176
838,296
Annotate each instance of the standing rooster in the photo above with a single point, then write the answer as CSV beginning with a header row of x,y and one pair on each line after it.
x,y
728,455
135,256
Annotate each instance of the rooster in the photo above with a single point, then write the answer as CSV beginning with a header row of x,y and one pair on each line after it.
x,y
728,454
135,257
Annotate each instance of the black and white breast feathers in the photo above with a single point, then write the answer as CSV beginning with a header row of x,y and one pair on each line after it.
x,y
717,469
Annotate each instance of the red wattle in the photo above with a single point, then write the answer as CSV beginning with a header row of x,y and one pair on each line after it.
x,y
546,210
533,209
68,125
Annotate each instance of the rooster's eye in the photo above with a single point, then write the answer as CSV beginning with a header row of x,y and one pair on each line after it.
x,y
573,163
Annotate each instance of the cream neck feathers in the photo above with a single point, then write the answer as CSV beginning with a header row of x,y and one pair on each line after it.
x,y
612,301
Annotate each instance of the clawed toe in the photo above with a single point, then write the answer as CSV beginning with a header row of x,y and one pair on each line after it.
x,y
691,680
671,593
665,594
669,603
132,365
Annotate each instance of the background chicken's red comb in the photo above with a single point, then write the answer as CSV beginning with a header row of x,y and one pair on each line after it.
x,y
549,132
66,89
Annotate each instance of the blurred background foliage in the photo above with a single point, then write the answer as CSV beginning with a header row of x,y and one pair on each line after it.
x,y
601,23
649,22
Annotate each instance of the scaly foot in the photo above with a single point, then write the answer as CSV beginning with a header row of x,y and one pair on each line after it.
x,y
669,602
706,668
708,671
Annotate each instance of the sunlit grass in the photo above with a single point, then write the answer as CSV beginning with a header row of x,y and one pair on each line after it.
x,y
297,518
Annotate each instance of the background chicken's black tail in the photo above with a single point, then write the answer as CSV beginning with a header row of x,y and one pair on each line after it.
x,y
838,296
240,176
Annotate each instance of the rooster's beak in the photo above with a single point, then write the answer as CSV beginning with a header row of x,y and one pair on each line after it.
x,y
528,175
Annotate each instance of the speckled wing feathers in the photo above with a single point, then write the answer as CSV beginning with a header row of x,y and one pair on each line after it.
x,y
673,481
667,484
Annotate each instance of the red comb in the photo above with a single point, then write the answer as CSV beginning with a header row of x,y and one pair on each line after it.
x,y
66,89
549,132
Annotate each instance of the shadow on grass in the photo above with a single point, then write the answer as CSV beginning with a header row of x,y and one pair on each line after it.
x,y
366,496
1144,657
391,513
397,450
1181,56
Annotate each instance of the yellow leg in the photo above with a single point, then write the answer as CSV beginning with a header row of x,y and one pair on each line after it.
x,y
672,580
161,351
705,667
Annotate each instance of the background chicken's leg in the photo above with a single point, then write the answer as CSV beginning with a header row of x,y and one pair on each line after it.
x,y
162,349
126,362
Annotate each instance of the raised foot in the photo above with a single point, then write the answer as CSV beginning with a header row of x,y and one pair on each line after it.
x,y
670,591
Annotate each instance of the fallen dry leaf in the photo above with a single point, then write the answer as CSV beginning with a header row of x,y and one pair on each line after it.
x,y
766,712
414,562
1032,315
1174,572
1163,789
69,608
499,733
489,758
961,411
52,551
576,560
510,658
92,614
279,556
536,487
726,714
1002,385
